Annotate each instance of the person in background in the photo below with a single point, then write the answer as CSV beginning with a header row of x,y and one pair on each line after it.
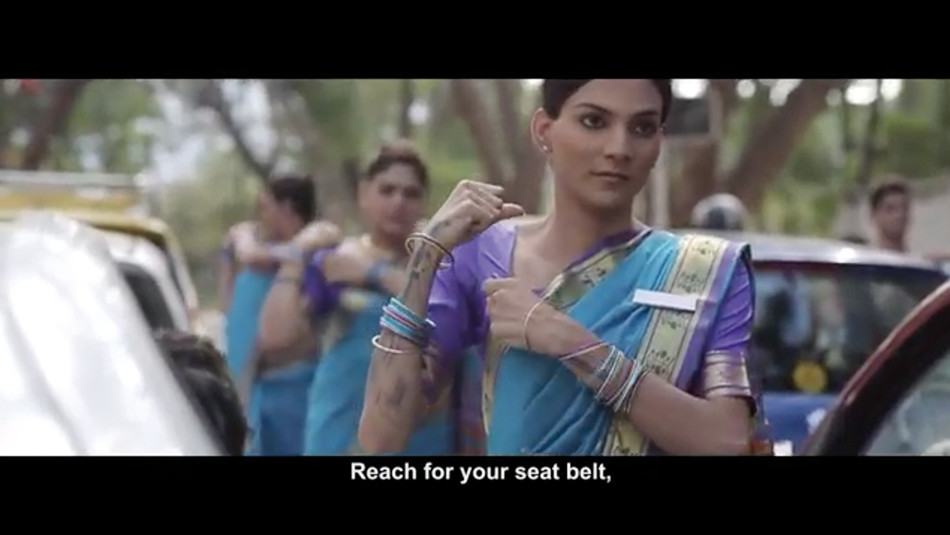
x,y
340,293
721,211
576,361
273,385
890,202
891,206
204,376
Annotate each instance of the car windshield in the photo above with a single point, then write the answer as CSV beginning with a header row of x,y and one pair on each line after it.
x,y
816,325
149,297
920,423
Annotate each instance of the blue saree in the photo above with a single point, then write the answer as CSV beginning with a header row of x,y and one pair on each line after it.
x,y
534,405
277,406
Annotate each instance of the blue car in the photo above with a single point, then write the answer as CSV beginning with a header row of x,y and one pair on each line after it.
x,y
822,308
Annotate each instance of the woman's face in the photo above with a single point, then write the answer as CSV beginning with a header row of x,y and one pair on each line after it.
x,y
393,201
605,142
270,214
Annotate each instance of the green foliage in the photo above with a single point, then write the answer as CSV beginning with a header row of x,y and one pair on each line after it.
x,y
913,147
201,210
116,122
333,105
445,172
817,160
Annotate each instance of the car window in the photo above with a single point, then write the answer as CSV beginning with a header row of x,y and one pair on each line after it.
x,y
148,295
815,326
920,423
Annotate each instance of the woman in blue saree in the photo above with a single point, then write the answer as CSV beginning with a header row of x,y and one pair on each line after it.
x,y
598,335
341,292
274,385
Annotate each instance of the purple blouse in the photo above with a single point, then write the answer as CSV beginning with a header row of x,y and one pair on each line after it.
x,y
457,305
322,296
457,302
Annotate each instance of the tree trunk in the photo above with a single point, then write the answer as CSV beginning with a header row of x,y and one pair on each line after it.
x,y
472,109
775,137
700,174
407,95
52,122
869,149
334,194
212,97
525,185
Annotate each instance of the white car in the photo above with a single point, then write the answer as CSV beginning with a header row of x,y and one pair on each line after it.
x,y
80,373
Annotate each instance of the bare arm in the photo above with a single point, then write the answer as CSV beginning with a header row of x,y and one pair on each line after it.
x,y
285,322
394,392
249,250
676,421
717,422
283,319
395,397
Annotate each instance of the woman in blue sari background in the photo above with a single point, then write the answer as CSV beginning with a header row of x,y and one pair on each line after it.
x,y
341,292
598,335
274,385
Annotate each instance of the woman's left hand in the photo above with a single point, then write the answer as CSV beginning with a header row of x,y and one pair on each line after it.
x,y
509,303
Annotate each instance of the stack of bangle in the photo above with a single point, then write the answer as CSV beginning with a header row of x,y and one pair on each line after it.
x,y
616,368
404,323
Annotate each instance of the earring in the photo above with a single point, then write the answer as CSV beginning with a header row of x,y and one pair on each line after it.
x,y
545,147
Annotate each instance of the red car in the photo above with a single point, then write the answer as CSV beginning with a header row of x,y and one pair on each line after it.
x,y
898,402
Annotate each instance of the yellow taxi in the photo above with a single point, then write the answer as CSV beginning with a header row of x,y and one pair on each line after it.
x,y
109,202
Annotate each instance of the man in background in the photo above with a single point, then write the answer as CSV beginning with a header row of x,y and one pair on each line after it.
x,y
890,204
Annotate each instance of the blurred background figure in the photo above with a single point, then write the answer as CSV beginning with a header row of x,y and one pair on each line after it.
x,y
340,295
722,211
274,384
890,203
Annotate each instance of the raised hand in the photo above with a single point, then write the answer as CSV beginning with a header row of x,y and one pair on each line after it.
x,y
348,265
510,301
470,208
317,235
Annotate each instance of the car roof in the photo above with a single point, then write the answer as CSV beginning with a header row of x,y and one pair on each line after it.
x,y
807,249
122,247
153,229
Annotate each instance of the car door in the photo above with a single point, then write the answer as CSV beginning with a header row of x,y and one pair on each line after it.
x,y
902,406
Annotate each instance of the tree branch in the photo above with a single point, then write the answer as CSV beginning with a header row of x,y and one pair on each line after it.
x,y
775,137
51,123
469,104
211,96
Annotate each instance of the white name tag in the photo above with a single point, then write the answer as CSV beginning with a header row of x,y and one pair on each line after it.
x,y
685,303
